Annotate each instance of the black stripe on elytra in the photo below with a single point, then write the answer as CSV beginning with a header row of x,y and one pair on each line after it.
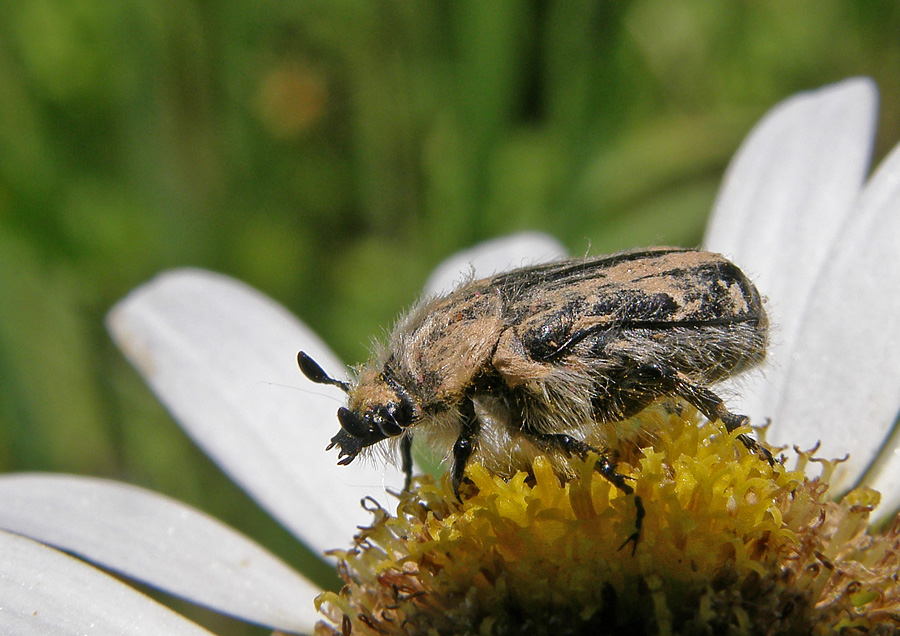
x,y
512,285
621,325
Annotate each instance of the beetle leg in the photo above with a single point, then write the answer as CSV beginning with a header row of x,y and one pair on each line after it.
x,y
712,406
632,391
465,443
406,459
571,446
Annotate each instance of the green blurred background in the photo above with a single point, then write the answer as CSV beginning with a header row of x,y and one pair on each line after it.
x,y
330,153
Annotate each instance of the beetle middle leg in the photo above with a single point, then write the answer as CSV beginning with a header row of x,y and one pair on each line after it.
x,y
571,446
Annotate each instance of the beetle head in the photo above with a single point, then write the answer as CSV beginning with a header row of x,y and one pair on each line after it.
x,y
379,408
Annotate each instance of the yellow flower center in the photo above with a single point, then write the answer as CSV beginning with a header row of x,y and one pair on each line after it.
x,y
729,545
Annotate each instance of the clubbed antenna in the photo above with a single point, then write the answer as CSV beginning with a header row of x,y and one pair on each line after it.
x,y
314,372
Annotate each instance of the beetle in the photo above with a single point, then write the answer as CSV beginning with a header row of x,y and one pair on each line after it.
x,y
539,359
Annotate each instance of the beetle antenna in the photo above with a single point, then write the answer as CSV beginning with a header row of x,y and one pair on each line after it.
x,y
314,372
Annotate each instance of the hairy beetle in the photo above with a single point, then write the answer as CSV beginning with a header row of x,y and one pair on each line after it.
x,y
538,359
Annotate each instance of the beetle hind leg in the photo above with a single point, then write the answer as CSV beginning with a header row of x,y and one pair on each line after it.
x,y
646,382
712,406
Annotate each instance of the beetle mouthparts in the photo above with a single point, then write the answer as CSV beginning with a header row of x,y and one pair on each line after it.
x,y
354,436
351,446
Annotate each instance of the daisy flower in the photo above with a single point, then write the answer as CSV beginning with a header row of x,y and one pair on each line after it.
x,y
742,543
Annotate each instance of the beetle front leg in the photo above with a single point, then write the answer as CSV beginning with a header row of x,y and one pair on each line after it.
x,y
465,443
406,459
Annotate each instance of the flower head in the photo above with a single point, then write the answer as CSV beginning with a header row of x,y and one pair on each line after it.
x,y
729,544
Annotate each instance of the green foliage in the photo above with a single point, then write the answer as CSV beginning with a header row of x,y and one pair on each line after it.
x,y
324,149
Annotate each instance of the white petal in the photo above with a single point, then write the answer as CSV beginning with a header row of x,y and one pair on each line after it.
x,y
784,198
222,358
491,257
158,541
47,593
843,385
